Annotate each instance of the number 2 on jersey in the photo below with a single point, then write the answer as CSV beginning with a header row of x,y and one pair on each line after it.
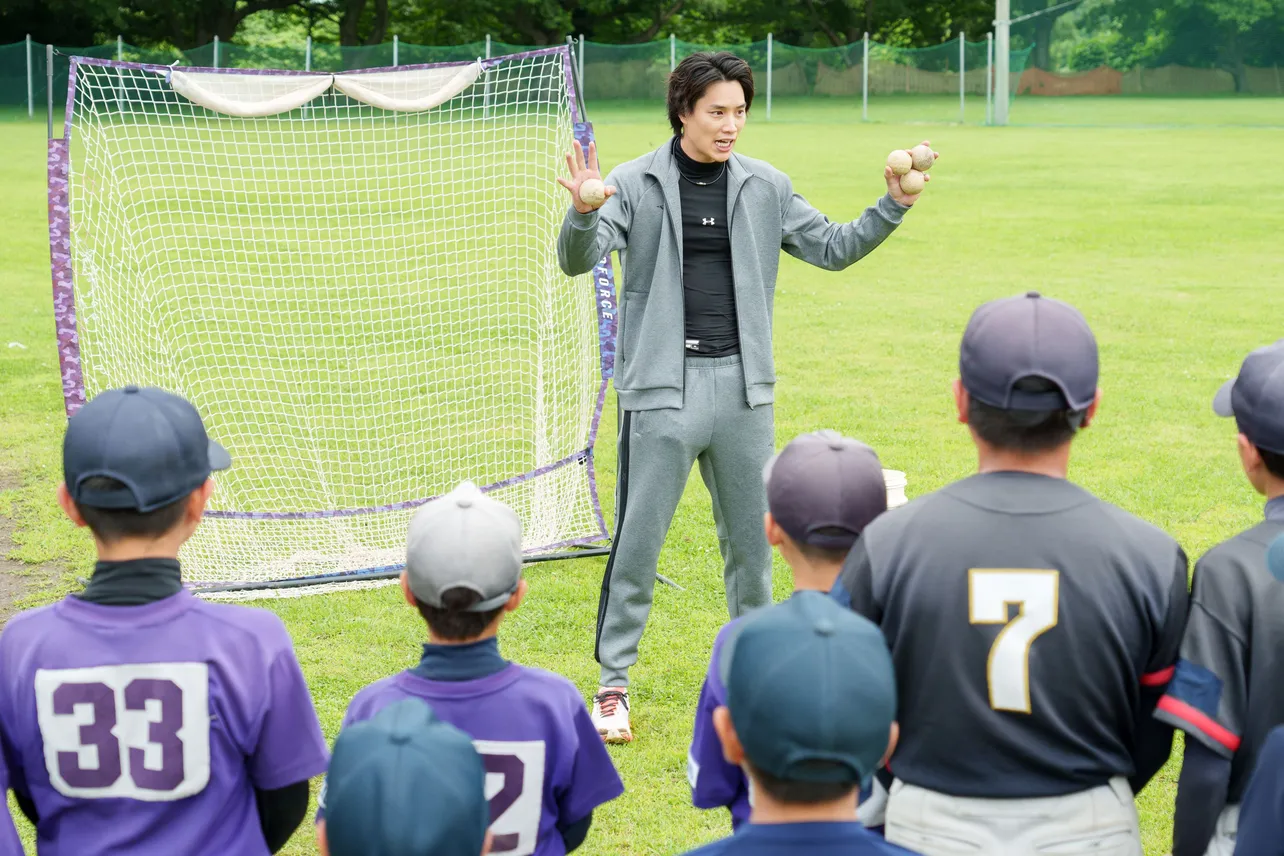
x,y
990,592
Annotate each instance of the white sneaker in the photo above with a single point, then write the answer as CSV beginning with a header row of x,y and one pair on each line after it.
x,y
611,714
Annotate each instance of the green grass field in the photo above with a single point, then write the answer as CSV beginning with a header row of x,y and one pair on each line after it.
x,y
1167,239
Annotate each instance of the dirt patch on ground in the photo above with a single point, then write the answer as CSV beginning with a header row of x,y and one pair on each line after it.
x,y
18,579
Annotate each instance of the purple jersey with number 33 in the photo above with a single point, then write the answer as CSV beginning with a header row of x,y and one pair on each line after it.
x,y
545,763
146,729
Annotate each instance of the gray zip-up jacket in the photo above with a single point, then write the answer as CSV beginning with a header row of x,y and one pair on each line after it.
x,y
642,221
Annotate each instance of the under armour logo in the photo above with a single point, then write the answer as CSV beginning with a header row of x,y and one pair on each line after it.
x,y
707,221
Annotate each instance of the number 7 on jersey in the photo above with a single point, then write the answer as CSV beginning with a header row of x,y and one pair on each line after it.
x,y
990,593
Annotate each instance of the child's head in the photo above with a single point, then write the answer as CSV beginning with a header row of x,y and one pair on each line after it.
x,y
385,766
811,701
823,489
464,564
1256,399
136,470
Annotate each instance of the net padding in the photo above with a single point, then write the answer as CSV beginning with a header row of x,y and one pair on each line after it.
x,y
364,304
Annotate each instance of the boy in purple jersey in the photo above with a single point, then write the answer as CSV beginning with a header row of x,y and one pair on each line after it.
x,y
135,718
810,715
546,766
823,489
383,772
9,843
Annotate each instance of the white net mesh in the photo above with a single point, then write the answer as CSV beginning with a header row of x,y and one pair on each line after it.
x,y
364,303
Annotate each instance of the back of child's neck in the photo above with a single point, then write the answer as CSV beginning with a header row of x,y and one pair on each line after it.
x,y
489,634
769,811
818,576
133,549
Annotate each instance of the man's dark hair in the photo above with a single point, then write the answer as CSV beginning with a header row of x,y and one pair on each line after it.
x,y
695,74
110,525
1028,431
1273,461
802,793
812,553
451,621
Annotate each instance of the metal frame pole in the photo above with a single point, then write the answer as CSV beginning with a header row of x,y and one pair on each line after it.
x,y
581,57
216,51
31,89
864,80
1002,56
962,78
673,52
120,48
989,78
307,54
769,45
49,53
488,46
396,45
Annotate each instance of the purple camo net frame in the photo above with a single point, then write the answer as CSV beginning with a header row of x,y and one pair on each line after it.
x,y
65,321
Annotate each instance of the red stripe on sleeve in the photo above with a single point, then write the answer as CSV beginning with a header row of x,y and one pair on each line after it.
x,y
1158,679
1200,721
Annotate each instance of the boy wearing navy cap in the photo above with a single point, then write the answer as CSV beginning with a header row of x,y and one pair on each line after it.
x,y
384,772
809,716
463,575
1225,692
823,489
1033,626
133,716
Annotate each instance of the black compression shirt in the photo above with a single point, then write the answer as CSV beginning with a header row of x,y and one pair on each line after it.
x,y
708,286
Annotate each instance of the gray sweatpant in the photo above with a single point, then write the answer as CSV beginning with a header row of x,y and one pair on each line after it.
x,y
732,442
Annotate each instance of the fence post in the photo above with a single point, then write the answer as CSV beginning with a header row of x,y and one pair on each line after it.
x,y
962,77
216,51
120,48
581,59
673,52
989,78
769,44
1002,55
307,54
31,90
488,46
396,43
864,80
49,88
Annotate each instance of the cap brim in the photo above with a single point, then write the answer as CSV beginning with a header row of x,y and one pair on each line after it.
x,y
220,459
1222,400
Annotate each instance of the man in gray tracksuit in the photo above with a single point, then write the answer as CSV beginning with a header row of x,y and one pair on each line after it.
x,y
699,231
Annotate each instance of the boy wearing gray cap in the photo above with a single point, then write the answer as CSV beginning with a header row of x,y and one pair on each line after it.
x,y
1033,626
464,574
385,770
1225,692
809,716
134,716
823,489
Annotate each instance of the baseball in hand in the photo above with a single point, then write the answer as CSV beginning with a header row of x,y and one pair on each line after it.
x,y
922,157
900,161
592,192
913,181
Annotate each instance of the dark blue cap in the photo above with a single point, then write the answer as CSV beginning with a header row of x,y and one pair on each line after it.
x,y
1029,336
1256,398
150,440
811,690
404,783
823,489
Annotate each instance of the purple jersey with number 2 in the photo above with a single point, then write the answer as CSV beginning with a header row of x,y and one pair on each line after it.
x,y
545,763
146,729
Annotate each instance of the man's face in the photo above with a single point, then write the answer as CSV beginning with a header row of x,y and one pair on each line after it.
x,y
711,128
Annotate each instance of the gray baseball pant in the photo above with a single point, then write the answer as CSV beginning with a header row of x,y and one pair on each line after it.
x,y
732,442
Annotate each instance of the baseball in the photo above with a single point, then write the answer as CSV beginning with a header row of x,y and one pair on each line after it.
x,y
592,192
922,156
900,161
913,181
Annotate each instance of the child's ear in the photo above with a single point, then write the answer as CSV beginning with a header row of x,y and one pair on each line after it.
x,y
775,535
68,505
405,589
726,731
960,400
1092,409
197,501
518,596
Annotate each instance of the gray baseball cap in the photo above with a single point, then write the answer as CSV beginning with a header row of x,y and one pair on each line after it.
x,y
467,540
823,489
1029,336
1256,398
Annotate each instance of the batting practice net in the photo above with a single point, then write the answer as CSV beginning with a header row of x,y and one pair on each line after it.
x,y
354,278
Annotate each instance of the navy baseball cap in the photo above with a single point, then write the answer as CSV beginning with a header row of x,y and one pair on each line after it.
x,y
811,690
1029,336
823,489
1256,398
404,783
150,440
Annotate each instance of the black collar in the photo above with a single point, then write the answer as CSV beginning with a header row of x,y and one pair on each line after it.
x,y
132,582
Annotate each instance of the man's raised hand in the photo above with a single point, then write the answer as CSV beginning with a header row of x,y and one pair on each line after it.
x,y
582,170
894,182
